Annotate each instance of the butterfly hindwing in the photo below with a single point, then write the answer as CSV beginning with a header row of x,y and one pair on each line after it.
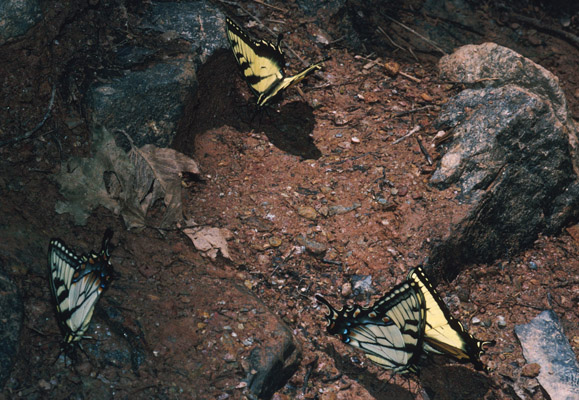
x,y
390,332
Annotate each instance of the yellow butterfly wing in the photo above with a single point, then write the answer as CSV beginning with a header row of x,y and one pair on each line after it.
x,y
444,334
261,64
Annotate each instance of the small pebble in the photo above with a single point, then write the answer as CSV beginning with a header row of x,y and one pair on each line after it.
x,y
532,265
355,140
44,384
274,241
307,212
392,68
501,323
311,245
346,289
531,370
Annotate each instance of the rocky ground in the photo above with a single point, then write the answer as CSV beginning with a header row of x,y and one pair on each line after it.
x,y
321,194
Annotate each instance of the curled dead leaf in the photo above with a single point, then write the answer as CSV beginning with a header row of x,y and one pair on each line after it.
x,y
209,241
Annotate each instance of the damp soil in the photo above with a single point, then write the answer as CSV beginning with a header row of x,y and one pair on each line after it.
x,y
317,192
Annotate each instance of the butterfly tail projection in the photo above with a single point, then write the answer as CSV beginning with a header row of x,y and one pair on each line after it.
x,y
287,82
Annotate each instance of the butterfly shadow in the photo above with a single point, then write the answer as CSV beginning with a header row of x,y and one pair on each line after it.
x,y
290,129
379,388
223,99
446,382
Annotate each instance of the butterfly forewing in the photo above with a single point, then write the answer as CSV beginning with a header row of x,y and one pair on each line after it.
x,y
63,263
262,64
443,333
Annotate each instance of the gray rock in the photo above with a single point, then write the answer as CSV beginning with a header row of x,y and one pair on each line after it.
x,y
146,105
491,65
512,155
277,357
198,22
18,16
21,244
11,310
544,343
362,284
148,100
273,365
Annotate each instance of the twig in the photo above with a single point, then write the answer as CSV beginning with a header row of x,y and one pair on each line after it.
x,y
409,76
283,262
430,42
37,331
541,26
271,6
334,262
332,378
414,110
309,368
410,133
37,127
390,39
412,53
338,40
423,150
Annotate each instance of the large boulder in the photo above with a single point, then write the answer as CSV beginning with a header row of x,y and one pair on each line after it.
x,y
147,100
512,154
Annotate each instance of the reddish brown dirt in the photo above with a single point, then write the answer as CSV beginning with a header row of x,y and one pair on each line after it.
x,y
273,184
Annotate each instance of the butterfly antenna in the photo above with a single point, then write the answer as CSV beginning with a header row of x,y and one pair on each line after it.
x,y
85,353
106,240
253,115
66,349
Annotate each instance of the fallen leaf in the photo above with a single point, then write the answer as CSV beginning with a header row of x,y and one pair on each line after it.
x,y
161,169
210,240
126,184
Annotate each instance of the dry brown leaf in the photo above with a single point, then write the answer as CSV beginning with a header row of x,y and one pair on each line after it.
x,y
210,241
127,184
